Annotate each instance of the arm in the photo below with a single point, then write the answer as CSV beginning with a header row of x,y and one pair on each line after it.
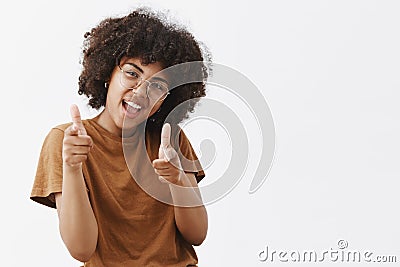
x,y
77,223
192,222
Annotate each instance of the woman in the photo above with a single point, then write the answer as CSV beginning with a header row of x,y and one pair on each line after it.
x,y
106,215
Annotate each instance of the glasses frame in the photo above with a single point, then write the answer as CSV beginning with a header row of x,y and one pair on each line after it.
x,y
141,80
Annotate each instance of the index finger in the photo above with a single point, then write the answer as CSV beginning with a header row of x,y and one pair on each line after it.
x,y
76,118
75,115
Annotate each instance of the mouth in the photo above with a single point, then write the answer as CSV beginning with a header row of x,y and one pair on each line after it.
x,y
131,109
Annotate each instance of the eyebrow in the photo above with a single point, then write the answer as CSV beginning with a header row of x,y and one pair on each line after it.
x,y
160,79
136,66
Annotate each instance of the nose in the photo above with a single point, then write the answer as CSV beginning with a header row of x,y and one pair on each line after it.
x,y
141,90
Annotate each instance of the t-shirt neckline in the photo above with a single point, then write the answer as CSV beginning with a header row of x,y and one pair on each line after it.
x,y
119,139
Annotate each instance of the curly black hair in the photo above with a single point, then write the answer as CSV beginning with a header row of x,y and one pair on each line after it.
x,y
149,36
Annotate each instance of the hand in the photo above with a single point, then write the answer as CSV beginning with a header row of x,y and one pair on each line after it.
x,y
168,166
76,144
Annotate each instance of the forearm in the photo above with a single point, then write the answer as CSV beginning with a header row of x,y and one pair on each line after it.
x,y
78,226
192,222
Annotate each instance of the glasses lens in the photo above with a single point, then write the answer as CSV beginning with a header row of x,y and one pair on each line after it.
x,y
157,90
130,77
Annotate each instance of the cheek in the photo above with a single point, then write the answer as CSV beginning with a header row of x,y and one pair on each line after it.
x,y
114,95
113,102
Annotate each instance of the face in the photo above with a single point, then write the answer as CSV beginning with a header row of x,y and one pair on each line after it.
x,y
126,108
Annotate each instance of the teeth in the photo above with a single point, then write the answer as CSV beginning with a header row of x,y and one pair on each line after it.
x,y
134,105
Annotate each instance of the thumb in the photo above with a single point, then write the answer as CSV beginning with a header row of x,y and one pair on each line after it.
x,y
166,151
165,141
166,135
76,119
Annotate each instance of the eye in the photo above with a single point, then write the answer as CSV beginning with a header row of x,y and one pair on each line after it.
x,y
159,86
132,74
130,71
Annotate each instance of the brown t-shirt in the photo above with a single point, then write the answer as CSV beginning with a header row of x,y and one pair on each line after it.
x,y
135,229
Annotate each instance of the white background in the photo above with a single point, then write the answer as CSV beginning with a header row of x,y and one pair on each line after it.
x,y
330,73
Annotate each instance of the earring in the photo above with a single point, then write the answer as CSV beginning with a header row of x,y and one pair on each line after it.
x,y
106,85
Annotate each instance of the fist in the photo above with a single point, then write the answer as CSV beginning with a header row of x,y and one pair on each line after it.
x,y
76,144
167,166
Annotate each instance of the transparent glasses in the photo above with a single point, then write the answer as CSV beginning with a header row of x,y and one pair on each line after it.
x,y
130,78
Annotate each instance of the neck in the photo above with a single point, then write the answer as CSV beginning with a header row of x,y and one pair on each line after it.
x,y
105,121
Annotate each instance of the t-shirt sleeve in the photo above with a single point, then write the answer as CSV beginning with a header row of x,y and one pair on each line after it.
x,y
190,162
48,179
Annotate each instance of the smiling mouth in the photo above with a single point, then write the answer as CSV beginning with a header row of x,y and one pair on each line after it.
x,y
133,105
131,108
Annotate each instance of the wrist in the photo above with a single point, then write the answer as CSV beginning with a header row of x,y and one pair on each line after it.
x,y
183,180
72,168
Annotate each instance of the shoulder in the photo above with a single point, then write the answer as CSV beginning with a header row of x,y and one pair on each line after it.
x,y
56,133
62,127
182,137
